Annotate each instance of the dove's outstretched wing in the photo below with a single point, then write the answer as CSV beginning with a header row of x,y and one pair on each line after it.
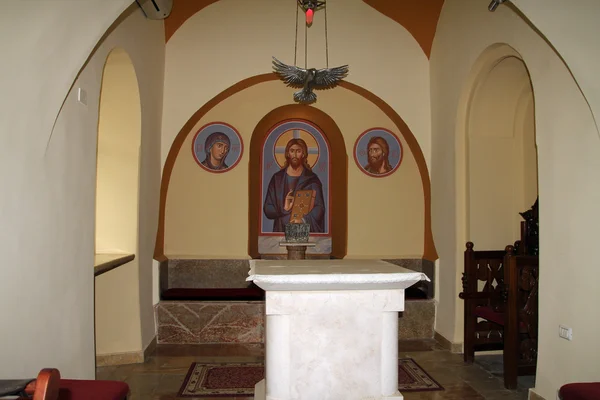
x,y
292,75
328,77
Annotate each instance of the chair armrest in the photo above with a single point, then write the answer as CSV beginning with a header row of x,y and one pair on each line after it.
x,y
46,386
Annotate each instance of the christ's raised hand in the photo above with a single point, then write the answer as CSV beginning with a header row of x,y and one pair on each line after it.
x,y
289,201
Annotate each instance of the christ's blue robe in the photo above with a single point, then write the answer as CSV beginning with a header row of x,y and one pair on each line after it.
x,y
275,200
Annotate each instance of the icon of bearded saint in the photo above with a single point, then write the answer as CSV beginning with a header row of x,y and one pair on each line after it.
x,y
378,152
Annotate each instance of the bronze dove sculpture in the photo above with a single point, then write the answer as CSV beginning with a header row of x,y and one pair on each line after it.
x,y
309,79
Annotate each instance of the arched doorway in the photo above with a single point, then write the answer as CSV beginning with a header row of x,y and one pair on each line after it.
x,y
498,150
117,308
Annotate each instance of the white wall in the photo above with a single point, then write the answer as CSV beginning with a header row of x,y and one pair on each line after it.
x,y
143,40
48,176
47,202
231,40
572,28
568,150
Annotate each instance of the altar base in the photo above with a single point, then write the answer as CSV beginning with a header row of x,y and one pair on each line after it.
x,y
331,329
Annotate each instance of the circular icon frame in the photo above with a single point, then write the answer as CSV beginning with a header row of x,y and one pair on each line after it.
x,y
216,135
383,163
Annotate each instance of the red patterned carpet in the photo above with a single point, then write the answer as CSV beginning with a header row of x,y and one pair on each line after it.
x,y
214,380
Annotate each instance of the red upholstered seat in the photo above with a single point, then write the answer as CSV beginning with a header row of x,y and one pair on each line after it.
x,y
489,314
496,317
79,389
580,391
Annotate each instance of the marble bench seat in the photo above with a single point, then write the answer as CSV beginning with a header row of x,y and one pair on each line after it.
x,y
225,279
209,301
245,294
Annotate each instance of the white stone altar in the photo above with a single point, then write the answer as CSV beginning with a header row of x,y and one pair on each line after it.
x,y
331,328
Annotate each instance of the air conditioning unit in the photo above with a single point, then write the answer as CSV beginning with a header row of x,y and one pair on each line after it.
x,y
156,9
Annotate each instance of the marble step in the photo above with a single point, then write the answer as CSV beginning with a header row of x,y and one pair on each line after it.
x,y
201,322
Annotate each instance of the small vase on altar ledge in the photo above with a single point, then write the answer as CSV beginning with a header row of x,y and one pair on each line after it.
x,y
297,233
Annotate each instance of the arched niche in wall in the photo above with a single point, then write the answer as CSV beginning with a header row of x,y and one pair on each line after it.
x,y
117,301
333,172
497,141
241,100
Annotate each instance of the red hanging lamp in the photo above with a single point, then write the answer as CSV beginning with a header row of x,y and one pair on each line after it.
x,y
309,16
309,78
309,7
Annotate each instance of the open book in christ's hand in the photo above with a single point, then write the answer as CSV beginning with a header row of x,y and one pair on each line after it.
x,y
304,201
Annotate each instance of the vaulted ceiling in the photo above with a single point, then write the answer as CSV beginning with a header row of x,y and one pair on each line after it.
x,y
419,17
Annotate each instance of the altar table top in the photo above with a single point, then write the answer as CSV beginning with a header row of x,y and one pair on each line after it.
x,y
347,274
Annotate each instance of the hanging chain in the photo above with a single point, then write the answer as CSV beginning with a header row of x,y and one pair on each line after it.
x,y
296,38
305,45
326,41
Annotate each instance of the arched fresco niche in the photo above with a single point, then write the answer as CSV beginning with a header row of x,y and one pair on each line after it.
x,y
327,174
240,193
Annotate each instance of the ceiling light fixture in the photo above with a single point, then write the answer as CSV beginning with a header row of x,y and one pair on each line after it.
x,y
494,4
309,78
309,7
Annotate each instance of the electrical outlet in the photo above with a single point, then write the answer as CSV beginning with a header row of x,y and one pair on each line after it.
x,y
565,332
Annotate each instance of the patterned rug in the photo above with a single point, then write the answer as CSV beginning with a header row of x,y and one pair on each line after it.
x,y
216,380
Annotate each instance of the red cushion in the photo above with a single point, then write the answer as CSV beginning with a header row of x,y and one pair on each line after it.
x,y
80,389
580,391
489,314
214,294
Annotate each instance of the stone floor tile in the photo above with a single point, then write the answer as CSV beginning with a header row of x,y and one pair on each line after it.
x,y
161,376
105,373
416,345
457,391
169,384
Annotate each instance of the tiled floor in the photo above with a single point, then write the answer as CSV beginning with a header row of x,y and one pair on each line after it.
x,y
161,376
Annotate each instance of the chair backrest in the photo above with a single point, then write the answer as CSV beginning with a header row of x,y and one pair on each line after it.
x,y
486,269
521,282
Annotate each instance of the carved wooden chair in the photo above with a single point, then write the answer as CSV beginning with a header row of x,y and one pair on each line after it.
x,y
483,291
500,290
521,327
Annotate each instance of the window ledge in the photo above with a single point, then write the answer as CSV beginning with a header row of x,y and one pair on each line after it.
x,y
106,262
